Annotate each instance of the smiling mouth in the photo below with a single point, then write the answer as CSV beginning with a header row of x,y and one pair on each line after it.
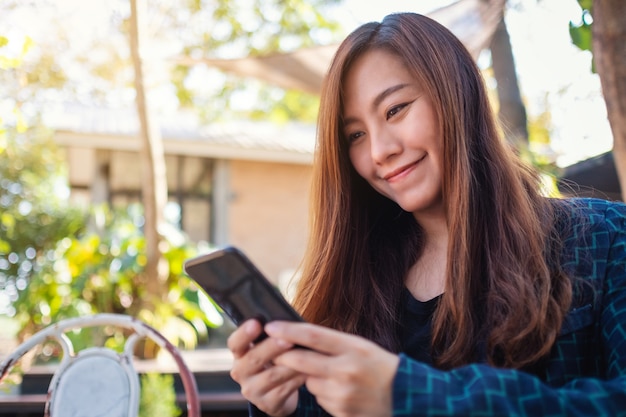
x,y
402,171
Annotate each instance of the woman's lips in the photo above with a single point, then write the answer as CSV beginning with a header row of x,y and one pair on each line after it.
x,y
402,171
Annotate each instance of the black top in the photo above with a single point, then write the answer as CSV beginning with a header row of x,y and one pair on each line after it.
x,y
415,332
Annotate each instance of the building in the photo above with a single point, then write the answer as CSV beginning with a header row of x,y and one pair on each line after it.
x,y
244,184
593,177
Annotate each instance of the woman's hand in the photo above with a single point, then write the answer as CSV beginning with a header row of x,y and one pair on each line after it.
x,y
348,375
272,388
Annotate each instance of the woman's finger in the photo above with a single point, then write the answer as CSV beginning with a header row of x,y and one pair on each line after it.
x,y
240,340
308,362
318,338
258,358
273,390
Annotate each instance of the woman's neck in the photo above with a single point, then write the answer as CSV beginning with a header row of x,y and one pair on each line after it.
x,y
426,278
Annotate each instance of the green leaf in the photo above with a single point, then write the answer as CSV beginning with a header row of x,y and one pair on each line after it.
x,y
581,36
158,397
585,4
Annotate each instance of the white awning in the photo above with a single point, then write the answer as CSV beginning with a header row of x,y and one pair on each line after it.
x,y
472,21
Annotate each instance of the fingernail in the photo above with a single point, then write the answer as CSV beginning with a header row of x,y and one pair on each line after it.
x,y
250,327
271,327
283,343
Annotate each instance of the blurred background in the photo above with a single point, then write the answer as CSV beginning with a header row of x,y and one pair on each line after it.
x,y
136,134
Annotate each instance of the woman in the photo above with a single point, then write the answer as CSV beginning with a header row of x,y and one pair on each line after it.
x,y
438,279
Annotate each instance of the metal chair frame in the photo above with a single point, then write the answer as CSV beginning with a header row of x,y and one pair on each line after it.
x,y
101,359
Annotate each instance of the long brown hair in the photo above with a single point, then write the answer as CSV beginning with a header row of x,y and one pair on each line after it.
x,y
505,295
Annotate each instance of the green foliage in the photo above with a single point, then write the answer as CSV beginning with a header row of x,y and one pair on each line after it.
x,y
539,154
282,106
58,261
101,71
158,397
581,35
581,32
184,94
260,26
29,73
33,213
102,271
253,28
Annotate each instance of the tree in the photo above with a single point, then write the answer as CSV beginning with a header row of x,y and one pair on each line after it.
x,y
154,182
511,109
293,20
605,36
609,53
54,262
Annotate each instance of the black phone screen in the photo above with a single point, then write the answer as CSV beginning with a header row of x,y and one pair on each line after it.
x,y
238,287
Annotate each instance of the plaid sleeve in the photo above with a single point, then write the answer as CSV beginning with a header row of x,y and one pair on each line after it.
x,y
307,405
480,390
253,411
613,317
483,390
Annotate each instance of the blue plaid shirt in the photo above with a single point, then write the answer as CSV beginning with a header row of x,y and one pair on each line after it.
x,y
585,373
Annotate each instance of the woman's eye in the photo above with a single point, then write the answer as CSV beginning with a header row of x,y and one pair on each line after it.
x,y
394,110
354,136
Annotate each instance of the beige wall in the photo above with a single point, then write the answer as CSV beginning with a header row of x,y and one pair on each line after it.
x,y
268,214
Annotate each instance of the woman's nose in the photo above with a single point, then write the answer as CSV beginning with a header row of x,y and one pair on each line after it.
x,y
383,145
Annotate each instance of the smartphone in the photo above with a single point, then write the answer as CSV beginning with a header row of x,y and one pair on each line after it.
x,y
239,288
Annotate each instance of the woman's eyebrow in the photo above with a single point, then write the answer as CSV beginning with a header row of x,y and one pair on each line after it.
x,y
387,92
377,100
347,120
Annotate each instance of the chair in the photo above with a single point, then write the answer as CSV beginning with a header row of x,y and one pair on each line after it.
x,y
98,381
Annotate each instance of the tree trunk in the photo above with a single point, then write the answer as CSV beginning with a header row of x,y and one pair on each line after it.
x,y
511,113
153,179
609,54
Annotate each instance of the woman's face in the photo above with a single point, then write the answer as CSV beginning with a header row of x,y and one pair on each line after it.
x,y
394,139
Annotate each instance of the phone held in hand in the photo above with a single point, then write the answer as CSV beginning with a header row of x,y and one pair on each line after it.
x,y
239,288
